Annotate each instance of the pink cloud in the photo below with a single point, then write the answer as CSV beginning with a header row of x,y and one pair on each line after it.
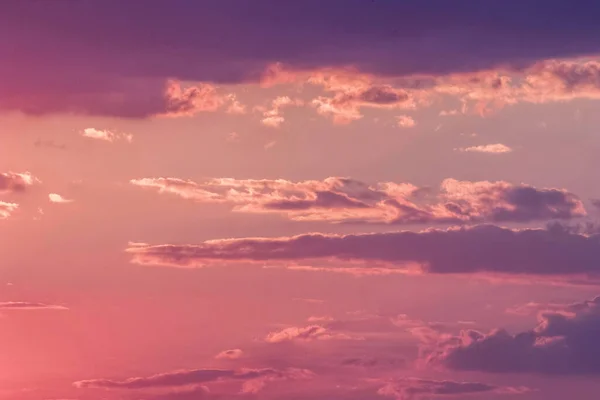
x,y
252,380
187,101
57,198
274,116
106,135
305,334
6,209
405,121
345,200
13,182
351,92
497,148
23,305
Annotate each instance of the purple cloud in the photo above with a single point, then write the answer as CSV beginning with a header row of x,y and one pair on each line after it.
x,y
565,341
482,248
105,58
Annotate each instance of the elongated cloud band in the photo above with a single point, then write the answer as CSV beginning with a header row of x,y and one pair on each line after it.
x,y
23,305
252,379
483,248
345,200
414,388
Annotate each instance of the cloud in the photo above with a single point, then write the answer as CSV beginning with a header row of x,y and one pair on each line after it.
x,y
236,107
304,334
23,305
106,135
230,354
16,182
414,388
478,249
345,200
497,148
565,341
448,113
127,78
274,116
57,198
6,209
252,380
404,121
351,92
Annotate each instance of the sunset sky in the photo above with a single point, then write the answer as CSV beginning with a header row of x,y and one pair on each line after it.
x,y
299,200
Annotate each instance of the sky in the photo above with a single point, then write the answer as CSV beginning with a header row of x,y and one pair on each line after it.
x,y
301,200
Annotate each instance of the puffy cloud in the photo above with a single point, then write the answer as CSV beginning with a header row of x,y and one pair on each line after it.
x,y
187,101
106,135
350,201
6,209
230,354
274,116
482,248
565,341
545,82
251,379
481,92
14,182
352,94
414,388
405,121
497,148
57,198
24,305
308,333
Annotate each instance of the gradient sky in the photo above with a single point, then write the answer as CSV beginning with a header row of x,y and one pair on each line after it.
x,y
342,199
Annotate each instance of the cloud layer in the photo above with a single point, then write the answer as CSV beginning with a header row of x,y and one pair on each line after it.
x,y
120,71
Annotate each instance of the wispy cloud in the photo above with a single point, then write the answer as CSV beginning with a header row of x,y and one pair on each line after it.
x,y
24,305
497,148
106,135
57,198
